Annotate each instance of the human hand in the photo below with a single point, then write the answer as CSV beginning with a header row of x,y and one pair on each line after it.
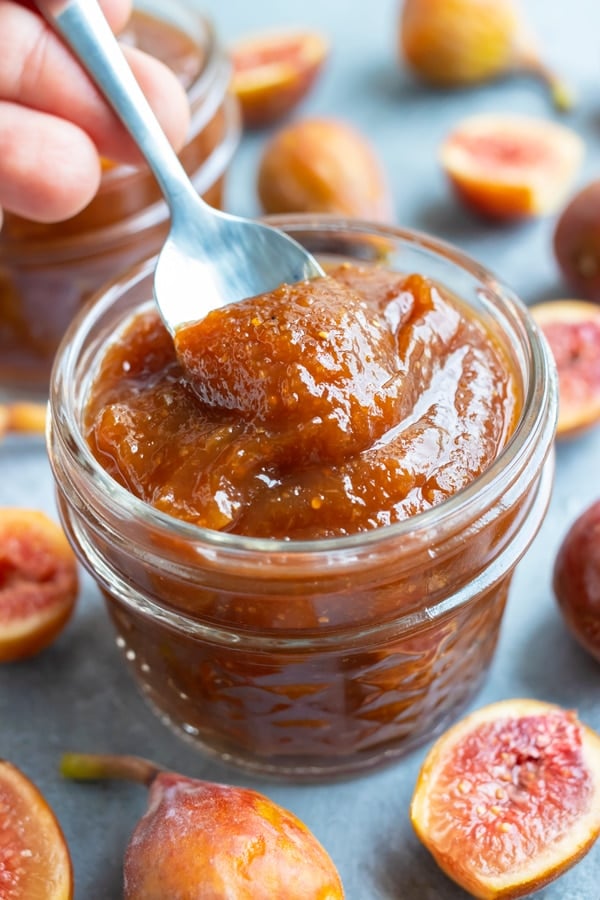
x,y
54,124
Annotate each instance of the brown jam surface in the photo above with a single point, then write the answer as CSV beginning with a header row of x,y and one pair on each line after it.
x,y
321,409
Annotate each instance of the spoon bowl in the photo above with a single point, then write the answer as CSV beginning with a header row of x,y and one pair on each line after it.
x,y
210,258
199,270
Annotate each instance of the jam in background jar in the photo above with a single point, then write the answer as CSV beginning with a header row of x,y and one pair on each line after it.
x,y
47,272
331,653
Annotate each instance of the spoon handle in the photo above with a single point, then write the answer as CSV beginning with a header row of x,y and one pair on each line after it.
x,y
82,25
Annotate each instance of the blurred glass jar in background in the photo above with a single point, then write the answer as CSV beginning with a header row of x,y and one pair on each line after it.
x,y
47,272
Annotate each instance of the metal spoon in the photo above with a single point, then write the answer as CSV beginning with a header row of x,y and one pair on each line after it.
x,y
210,258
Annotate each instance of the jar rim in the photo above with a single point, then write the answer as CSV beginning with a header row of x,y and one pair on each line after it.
x,y
537,419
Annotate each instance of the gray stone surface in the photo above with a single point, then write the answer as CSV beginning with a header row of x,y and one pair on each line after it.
x,y
78,695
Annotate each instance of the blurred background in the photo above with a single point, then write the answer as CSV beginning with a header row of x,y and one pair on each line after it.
x,y
365,82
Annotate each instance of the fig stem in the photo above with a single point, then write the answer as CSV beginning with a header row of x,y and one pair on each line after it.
x,y
100,766
562,95
22,417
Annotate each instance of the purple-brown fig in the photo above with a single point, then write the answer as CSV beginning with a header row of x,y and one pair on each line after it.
x,y
577,242
576,579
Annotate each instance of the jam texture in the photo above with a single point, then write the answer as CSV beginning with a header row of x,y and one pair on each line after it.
x,y
321,409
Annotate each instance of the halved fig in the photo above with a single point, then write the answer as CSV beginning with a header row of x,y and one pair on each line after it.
x,y
511,167
572,329
509,797
35,863
577,242
273,71
38,582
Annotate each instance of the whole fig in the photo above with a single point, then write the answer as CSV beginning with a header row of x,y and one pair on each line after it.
x,y
577,242
456,43
323,165
577,579
203,841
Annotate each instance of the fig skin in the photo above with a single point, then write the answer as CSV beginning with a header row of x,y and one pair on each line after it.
x,y
32,834
576,579
323,165
577,242
274,71
466,814
456,43
204,841
39,582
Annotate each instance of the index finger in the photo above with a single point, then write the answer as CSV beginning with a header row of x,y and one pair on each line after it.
x,y
117,12
39,72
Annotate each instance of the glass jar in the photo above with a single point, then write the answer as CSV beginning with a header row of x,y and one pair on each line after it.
x,y
48,271
307,659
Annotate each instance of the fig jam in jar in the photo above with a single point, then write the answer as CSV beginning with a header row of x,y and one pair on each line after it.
x,y
48,271
307,554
